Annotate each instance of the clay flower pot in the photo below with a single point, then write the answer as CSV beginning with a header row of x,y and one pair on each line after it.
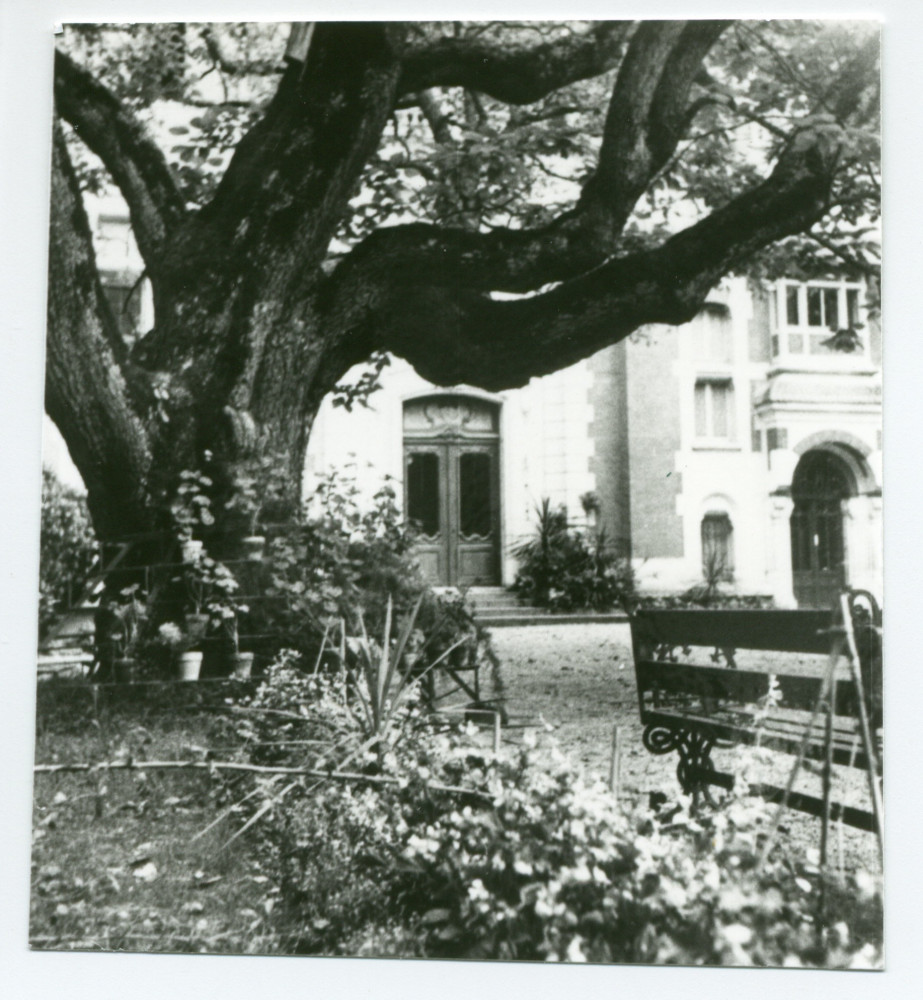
x,y
190,665
196,627
191,549
244,666
253,546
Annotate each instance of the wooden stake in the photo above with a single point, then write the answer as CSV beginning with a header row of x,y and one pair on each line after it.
x,y
835,653
234,766
615,761
828,770
871,770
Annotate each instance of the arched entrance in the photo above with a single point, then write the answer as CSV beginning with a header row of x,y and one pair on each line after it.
x,y
452,487
821,485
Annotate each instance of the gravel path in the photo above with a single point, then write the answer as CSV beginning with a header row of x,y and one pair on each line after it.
x,y
580,680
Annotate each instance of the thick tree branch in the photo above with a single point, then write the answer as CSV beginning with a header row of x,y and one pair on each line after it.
x,y
454,336
514,75
259,243
135,162
438,117
648,112
291,175
86,392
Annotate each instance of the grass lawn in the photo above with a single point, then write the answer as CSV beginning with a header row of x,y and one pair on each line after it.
x,y
122,860
117,861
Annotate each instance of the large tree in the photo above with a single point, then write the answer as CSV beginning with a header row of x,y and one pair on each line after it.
x,y
491,202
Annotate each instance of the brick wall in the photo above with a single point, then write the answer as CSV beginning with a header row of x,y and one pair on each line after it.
x,y
609,432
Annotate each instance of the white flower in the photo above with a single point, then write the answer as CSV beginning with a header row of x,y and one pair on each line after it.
x,y
575,950
673,893
477,892
867,958
737,934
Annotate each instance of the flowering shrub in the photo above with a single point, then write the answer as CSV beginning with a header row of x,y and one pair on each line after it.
x,y
532,863
343,561
68,548
553,871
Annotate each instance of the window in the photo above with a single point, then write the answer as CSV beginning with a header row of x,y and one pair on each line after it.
x,y
115,239
126,308
423,492
714,409
810,313
712,335
717,547
474,495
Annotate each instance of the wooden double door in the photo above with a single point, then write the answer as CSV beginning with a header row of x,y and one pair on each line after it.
x,y
452,489
820,488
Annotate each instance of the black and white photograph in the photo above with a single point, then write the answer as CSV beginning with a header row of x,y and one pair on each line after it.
x,y
461,520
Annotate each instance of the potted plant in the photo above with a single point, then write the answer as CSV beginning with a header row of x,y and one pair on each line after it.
x,y
259,483
224,612
179,643
126,619
196,579
244,667
189,511
247,500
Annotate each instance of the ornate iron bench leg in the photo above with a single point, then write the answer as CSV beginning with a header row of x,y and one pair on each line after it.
x,y
695,770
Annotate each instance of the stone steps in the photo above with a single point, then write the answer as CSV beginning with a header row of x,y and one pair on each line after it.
x,y
496,607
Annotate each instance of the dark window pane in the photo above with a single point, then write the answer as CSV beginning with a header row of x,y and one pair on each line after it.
x,y
126,308
852,306
815,309
720,410
717,547
423,492
801,539
474,494
791,306
832,308
701,413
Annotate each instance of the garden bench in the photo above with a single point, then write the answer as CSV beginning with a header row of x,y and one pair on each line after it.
x,y
692,708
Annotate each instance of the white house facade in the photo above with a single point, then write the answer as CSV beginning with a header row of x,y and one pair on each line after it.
x,y
742,446
745,445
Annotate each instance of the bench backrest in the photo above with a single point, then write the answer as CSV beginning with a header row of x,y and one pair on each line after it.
x,y
802,631
655,631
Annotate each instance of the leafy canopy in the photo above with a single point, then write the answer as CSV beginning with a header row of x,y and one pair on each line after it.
x,y
458,157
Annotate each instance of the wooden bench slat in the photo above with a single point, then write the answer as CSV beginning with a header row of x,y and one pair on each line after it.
x,y
861,819
801,631
742,686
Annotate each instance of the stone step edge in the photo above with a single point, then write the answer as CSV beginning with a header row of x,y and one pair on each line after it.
x,y
549,618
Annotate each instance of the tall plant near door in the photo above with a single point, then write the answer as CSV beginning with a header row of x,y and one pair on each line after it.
x,y
565,567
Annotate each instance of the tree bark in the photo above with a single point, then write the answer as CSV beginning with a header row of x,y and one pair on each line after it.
x,y
252,332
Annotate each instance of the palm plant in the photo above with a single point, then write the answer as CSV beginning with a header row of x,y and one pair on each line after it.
x,y
385,674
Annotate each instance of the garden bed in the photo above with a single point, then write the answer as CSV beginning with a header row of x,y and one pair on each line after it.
x,y
580,679
134,859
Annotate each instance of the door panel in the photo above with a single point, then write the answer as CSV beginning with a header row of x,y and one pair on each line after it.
x,y
477,519
819,488
452,494
426,495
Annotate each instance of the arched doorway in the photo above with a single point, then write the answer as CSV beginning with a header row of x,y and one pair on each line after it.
x,y
820,486
452,487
